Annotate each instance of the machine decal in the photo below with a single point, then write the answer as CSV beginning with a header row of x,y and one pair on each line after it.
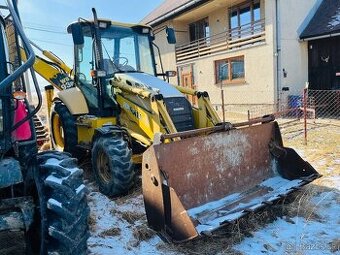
x,y
63,81
133,111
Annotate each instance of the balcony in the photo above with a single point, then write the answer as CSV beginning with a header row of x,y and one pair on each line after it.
x,y
247,34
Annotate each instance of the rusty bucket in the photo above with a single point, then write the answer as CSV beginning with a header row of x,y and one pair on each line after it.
x,y
214,176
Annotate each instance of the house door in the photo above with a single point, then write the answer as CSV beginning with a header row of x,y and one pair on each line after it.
x,y
186,81
324,63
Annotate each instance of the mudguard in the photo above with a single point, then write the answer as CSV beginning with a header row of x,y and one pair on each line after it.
x,y
10,172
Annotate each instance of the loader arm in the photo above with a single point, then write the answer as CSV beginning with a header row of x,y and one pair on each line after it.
x,y
143,120
204,113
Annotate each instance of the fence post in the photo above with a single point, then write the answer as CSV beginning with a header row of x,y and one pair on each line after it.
x,y
223,109
305,93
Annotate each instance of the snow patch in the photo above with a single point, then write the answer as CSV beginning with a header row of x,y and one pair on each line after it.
x,y
107,214
54,179
80,188
56,162
304,236
54,202
211,215
335,20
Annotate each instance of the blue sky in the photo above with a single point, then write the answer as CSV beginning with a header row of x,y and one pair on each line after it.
x,y
45,21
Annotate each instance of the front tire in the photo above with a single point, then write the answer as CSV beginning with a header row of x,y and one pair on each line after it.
x,y
112,165
63,206
64,134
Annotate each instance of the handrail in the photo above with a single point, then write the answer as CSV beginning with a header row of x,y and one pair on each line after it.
x,y
246,34
30,61
225,33
23,68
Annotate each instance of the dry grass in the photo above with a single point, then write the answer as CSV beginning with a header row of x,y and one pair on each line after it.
x,y
92,223
132,217
135,191
335,245
223,240
302,205
322,149
110,232
142,233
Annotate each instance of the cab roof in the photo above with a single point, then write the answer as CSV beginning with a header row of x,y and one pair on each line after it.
x,y
113,23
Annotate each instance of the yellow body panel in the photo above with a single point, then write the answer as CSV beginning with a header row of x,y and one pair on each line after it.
x,y
86,126
138,119
58,132
49,95
74,100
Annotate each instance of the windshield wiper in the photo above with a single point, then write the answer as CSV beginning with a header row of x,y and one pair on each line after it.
x,y
111,59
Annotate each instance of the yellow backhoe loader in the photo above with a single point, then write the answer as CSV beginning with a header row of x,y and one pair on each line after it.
x,y
197,172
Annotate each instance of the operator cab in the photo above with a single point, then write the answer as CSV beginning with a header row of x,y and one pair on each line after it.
x,y
104,48
124,48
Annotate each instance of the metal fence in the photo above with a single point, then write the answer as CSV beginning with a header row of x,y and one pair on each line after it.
x,y
312,104
310,109
323,103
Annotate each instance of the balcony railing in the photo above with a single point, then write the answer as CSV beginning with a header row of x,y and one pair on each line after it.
x,y
250,33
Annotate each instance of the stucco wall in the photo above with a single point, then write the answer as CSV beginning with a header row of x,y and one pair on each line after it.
x,y
260,85
294,54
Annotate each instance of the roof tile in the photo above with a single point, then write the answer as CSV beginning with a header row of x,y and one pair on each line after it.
x,y
325,21
165,7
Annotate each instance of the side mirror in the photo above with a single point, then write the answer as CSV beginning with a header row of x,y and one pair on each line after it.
x,y
171,73
77,34
170,35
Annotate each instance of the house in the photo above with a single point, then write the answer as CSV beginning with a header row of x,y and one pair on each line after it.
x,y
259,52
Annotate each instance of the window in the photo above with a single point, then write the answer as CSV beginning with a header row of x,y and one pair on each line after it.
x,y
199,29
86,62
245,17
230,70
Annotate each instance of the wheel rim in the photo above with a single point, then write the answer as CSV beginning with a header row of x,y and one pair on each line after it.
x,y
103,167
57,132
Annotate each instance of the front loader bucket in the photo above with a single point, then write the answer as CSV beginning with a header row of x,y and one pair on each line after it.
x,y
212,177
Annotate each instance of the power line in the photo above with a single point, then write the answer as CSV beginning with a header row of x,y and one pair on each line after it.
x,y
45,30
39,25
45,41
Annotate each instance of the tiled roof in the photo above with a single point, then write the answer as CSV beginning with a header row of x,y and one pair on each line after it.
x,y
170,8
326,20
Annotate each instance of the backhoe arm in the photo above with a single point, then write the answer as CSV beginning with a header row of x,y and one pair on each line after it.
x,y
53,70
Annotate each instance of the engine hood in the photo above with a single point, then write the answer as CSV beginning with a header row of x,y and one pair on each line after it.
x,y
149,82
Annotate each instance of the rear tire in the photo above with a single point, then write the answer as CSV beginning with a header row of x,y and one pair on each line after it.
x,y
63,206
112,165
64,133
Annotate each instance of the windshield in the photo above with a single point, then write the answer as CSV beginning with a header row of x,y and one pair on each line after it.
x,y
124,50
